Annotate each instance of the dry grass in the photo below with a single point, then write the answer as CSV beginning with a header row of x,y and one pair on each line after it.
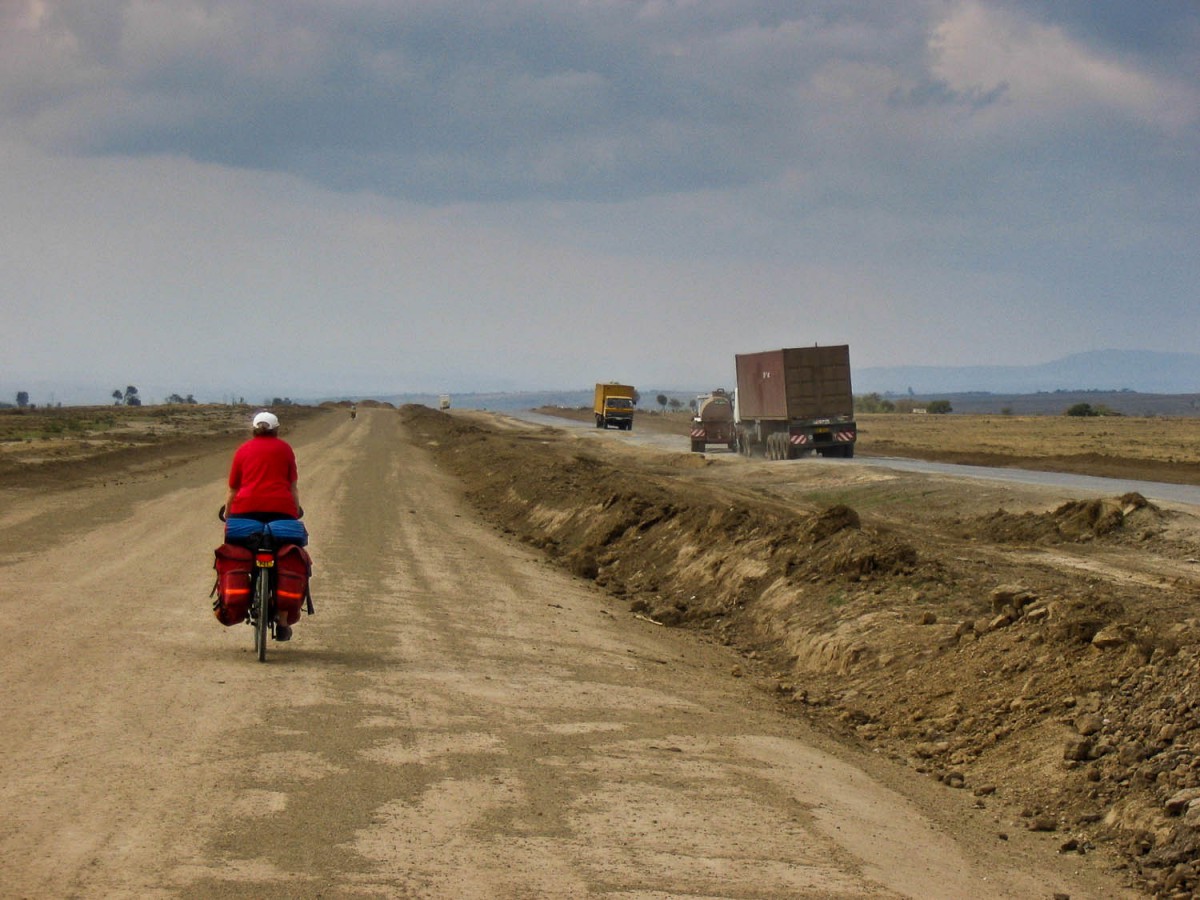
x,y
57,433
1169,440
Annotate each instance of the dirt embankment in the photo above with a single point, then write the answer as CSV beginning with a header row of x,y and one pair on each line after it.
x,y
1042,657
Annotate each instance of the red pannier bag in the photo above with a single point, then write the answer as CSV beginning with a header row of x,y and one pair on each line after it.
x,y
234,565
293,566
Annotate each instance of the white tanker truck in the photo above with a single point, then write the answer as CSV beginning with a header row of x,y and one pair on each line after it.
x,y
713,422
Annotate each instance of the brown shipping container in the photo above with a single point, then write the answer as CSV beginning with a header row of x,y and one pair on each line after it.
x,y
796,383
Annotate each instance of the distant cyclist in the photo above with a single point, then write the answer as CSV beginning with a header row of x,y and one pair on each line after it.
x,y
263,485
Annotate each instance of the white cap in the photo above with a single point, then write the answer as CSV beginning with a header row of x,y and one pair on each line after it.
x,y
268,419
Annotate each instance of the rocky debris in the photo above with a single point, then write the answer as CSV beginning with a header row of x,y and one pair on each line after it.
x,y
1077,521
1109,637
1182,802
1011,599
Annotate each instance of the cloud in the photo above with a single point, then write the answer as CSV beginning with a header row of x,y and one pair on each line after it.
x,y
1044,73
471,176
439,101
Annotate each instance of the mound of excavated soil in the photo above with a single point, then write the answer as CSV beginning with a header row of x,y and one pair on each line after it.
x,y
1129,516
1045,661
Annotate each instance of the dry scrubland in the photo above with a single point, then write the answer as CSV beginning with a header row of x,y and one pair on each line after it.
x,y
1148,449
54,444
1035,656
1145,449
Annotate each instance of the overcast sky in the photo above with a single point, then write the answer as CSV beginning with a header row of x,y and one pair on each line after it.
x,y
311,198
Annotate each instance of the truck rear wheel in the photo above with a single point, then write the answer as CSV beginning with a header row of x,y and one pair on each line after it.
x,y
697,446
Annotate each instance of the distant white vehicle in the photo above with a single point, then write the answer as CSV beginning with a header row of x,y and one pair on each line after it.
x,y
444,401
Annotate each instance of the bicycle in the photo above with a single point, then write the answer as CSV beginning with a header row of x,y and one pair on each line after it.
x,y
263,612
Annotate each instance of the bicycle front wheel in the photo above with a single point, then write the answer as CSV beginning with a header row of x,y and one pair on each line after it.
x,y
262,613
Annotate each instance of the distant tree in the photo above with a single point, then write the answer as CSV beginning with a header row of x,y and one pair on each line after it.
x,y
118,397
873,403
22,399
694,405
867,403
939,407
1006,410
131,396
174,398
662,401
1081,409
675,404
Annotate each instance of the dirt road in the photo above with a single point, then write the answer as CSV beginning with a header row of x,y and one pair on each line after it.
x,y
459,719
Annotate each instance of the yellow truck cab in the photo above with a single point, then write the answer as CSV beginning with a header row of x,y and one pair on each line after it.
x,y
614,405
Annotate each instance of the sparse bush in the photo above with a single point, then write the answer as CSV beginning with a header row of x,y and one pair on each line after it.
x,y
939,407
873,403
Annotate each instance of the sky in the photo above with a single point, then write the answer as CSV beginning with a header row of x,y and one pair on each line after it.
x,y
304,198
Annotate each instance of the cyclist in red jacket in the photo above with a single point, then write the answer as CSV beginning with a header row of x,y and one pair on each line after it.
x,y
262,484
262,479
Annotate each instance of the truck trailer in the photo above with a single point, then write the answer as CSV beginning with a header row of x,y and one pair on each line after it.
x,y
713,422
614,405
792,402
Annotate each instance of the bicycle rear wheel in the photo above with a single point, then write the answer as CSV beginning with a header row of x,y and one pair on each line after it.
x,y
262,613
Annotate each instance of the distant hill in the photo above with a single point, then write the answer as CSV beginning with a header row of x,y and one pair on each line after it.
x,y
1101,370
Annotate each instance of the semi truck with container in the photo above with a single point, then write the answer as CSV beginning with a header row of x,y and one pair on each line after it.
x,y
713,422
796,401
614,405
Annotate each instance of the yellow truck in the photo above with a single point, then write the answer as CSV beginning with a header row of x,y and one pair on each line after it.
x,y
614,405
